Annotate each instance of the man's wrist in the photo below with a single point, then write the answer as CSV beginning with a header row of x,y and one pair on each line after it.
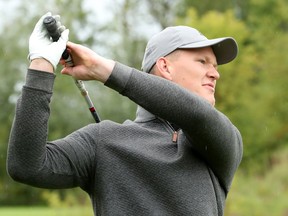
x,y
42,65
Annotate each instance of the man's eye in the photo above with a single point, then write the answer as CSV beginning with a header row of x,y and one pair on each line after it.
x,y
202,61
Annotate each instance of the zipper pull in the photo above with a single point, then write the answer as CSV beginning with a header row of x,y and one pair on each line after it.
x,y
175,136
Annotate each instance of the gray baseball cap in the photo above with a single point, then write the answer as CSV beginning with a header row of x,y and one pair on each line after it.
x,y
184,37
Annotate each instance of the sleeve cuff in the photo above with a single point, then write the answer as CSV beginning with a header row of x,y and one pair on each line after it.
x,y
40,80
119,77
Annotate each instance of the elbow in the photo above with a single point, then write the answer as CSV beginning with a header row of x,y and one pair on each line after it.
x,y
17,172
13,171
25,174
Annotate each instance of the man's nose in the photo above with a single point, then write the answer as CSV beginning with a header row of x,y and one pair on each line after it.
x,y
213,73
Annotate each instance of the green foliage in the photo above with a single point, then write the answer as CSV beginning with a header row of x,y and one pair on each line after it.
x,y
269,14
44,211
201,6
156,9
66,198
261,195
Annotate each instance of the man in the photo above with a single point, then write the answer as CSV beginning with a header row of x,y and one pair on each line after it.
x,y
178,157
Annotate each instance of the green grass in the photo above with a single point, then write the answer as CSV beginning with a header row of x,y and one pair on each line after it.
x,y
46,211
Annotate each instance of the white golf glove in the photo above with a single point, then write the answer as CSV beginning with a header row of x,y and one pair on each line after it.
x,y
42,46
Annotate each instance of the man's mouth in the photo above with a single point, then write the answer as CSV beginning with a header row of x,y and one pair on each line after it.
x,y
210,86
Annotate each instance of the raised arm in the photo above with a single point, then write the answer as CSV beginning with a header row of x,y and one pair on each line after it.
x,y
27,152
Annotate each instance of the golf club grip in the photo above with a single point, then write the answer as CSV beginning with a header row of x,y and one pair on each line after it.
x,y
51,25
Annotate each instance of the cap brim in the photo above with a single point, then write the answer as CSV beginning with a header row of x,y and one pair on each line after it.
x,y
225,49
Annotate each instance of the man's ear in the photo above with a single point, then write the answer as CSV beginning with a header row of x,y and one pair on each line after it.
x,y
163,69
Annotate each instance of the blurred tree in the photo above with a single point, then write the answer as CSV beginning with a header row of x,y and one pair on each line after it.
x,y
269,14
239,7
268,131
261,195
11,80
163,11
206,5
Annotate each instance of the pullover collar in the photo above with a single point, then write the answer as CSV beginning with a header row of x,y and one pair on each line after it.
x,y
143,115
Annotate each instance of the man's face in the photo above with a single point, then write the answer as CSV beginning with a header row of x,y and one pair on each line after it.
x,y
195,70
